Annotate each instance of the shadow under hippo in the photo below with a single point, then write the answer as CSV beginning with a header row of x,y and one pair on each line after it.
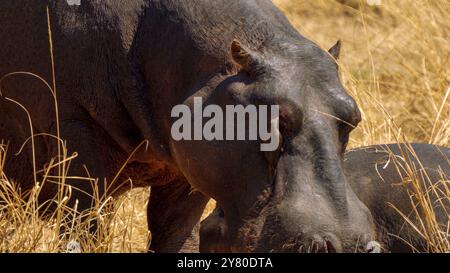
x,y
373,174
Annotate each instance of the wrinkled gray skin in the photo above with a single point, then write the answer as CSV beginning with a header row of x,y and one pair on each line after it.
x,y
374,177
120,68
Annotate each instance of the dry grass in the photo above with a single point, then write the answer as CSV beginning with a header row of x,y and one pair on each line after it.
x,y
427,196
395,63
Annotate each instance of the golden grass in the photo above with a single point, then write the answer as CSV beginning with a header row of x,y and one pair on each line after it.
x,y
395,63
427,196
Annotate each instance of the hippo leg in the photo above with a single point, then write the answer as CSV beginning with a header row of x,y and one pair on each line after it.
x,y
173,215
94,142
212,233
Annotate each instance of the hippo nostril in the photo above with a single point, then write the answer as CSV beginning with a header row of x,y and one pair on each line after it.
x,y
329,247
325,243
332,243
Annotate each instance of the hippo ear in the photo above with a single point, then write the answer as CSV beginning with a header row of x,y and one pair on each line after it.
x,y
242,56
335,50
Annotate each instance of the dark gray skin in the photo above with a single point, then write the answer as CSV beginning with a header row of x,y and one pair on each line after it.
x,y
376,183
120,69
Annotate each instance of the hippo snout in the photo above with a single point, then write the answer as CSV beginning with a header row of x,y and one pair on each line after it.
x,y
330,243
213,240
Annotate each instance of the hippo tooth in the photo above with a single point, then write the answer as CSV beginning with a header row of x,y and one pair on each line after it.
x,y
73,247
373,247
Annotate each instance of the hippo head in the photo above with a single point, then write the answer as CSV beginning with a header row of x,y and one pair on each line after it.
x,y
293,198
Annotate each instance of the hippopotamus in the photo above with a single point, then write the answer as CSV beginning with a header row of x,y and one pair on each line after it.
x,y
373,174
117,69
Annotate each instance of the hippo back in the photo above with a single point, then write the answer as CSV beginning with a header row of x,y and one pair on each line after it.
x,y
377,176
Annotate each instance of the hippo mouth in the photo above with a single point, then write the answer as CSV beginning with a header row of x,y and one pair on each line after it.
x,y
325,244
250,231
267,198
256,239
272,241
